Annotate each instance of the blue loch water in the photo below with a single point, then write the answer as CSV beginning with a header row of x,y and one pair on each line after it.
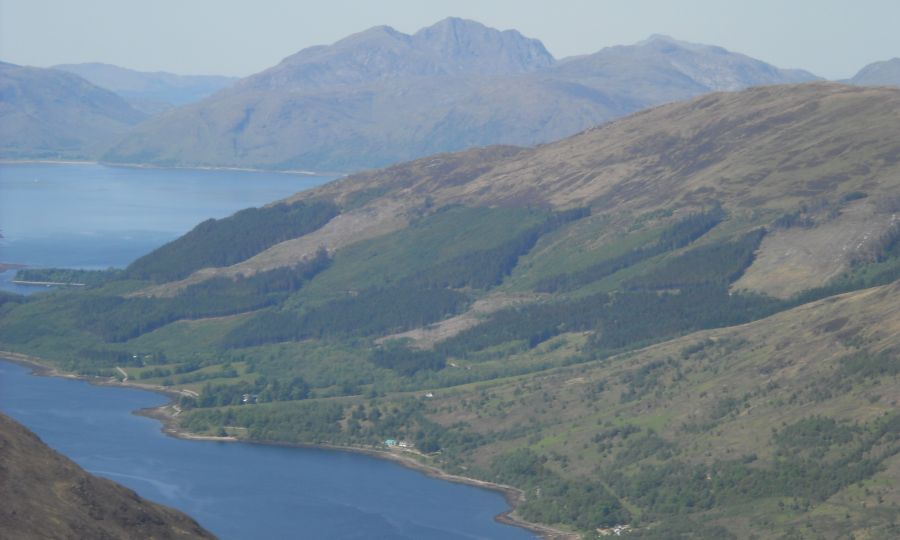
x,y
246,491
95,217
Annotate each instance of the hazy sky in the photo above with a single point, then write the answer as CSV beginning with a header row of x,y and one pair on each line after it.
x,y
831,38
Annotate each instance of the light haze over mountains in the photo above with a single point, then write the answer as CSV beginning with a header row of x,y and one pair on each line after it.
x,y
680,320
377,97
382,96
149,92
51,114
886,73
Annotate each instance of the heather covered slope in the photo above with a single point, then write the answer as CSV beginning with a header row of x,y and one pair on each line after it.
x,y
50,114
786,427
45,495
628,307
382,96
762,153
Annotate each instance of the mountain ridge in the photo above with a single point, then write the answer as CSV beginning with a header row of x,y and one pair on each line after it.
x,y
151,92
609,322
51,114
456,84
381,52
615,165
884,73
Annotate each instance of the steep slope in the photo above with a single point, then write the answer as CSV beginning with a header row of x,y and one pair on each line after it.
x,y
661,69
45,113
45,495
764,152
450,47
786,426
608,322
886,73
382,96
149,92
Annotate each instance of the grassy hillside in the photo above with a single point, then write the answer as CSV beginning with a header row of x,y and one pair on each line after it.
x,y
682,320
45,495
788,423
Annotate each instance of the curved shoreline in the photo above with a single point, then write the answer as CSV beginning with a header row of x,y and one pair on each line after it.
x,y
295,172
166,415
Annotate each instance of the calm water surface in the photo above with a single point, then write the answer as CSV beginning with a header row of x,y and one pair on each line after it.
x,y
241,490
94,216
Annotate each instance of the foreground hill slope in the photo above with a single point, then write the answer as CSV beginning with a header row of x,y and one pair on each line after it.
x,y
45,495
49,114
382,96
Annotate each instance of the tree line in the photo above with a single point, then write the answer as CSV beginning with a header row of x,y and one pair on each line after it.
x,y
223,242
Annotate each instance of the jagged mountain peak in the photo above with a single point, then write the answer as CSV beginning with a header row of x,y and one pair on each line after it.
x,y
471,46
452,46
382,96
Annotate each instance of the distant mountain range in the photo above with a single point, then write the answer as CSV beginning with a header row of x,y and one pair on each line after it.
x,y
381,97
50,114
151,92
886,73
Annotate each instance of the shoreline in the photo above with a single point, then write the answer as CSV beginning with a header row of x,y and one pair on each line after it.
x,y
295,172
167,413
46,283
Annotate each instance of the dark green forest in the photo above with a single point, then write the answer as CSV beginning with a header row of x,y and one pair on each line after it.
x,y
304,358
223,242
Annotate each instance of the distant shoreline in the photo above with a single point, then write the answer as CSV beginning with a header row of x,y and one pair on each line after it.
x,y
47,283
11,266
47,161
166,414
295,172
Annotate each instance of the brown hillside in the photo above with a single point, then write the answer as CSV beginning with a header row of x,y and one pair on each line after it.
x,y
760,152
760,147
45,495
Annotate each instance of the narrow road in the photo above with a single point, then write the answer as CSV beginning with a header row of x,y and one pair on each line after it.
x,y
124,374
